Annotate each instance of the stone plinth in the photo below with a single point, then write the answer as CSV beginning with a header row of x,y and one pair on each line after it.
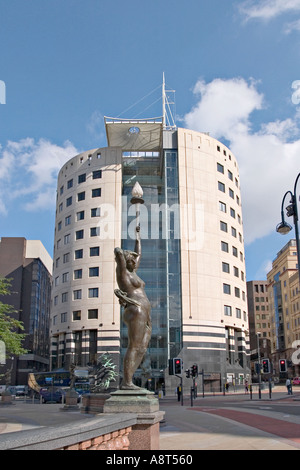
x,y
71,401
133,401
6,398
145,433
94,402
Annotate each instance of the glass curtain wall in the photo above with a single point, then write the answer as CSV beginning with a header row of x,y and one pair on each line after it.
x,y
160,262
152,269
173,253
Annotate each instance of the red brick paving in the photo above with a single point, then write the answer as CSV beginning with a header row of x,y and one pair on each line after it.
x,y
278,427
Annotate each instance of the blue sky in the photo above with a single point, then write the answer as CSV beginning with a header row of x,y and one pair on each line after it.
x,y
66,64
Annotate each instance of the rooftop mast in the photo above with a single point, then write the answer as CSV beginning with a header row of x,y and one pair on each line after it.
x,y
167,114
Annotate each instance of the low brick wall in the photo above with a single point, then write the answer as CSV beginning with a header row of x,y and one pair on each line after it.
x,y
117,440
104,432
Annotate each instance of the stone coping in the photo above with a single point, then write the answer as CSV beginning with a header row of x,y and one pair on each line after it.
x,y
55,437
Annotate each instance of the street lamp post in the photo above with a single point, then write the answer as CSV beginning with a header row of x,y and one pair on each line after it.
x,y
259,366
291,210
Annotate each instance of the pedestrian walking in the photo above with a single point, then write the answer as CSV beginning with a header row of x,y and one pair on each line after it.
x,y
288,386
246,386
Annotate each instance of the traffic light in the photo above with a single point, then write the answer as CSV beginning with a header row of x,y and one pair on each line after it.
x,y
195,370
188,373
177,365
282,365
266,366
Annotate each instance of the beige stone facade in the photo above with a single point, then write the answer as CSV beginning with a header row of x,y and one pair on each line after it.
x,y
83,301
283,289
214,305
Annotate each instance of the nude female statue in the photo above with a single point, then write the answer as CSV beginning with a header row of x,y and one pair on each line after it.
x,y
137,309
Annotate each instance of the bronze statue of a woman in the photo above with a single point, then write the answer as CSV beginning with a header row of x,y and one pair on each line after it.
x,y
137,309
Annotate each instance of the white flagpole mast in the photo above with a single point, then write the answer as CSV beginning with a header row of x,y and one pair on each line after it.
x,y
164,100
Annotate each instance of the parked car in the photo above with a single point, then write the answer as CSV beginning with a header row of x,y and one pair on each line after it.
x,y
21,390
52,395
296,381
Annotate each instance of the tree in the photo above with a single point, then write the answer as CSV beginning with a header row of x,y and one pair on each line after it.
x,y
9,326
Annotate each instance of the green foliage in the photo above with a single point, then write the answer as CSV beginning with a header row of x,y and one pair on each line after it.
x,y
10,327
103,373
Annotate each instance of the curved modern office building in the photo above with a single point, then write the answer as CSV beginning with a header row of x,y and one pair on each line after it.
x,y
192,252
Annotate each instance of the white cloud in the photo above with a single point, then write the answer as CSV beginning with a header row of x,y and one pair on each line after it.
x,y
29,170
268,159
224,106
293,26
267,9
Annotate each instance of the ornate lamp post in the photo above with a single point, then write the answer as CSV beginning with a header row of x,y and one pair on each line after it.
x,y
291,210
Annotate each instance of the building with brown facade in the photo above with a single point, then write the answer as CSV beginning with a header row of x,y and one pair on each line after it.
x,y
28,265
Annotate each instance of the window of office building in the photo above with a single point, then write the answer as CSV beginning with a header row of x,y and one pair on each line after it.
x,y
79,254
78,274
93,292
225,268
76,315
94,272
92,314
97,174
227,310
95,212
226,289
96,192
81,196
81,178
79,234
80,215
94,251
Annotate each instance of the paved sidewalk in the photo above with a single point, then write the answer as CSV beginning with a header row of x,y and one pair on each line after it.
x,y
219,423
21,416
206,425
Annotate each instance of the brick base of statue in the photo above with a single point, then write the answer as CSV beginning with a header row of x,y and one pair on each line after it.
x,y
71,401
6,398
94,402
144,434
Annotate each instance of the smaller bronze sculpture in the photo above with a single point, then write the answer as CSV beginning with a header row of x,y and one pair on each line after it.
x,y
132,296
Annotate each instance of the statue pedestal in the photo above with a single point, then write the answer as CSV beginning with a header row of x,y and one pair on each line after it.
x,y
6,398
144,434
94,402
71,401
